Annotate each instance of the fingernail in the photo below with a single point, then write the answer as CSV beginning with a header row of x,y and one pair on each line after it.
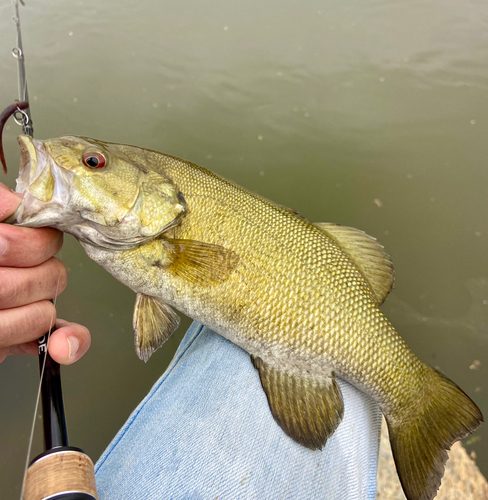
x,y
73,344
3,245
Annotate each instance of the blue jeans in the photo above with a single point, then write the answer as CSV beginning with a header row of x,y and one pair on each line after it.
x,y
205,432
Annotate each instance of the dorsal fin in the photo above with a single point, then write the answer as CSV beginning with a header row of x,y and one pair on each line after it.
x,y
368,255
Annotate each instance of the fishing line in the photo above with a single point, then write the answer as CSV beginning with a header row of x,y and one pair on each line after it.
x,y
24,119
61,471
36,408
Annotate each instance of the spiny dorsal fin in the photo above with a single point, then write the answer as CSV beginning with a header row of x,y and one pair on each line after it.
x,y
200,262
368,255
153,322
309,411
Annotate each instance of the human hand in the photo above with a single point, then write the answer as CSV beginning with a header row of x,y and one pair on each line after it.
x,y
29,277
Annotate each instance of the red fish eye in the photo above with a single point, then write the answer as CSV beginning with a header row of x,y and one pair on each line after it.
x,y
94,160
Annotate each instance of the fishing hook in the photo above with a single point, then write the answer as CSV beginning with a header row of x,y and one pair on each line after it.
x,y
21,118
18,53
62,471
16,107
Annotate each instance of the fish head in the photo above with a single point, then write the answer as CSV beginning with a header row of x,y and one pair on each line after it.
x,y
90,189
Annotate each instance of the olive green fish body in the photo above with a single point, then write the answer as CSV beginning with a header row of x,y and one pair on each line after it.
x,y
302,298
295,299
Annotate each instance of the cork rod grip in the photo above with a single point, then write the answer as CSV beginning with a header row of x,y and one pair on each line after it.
x,y
65,474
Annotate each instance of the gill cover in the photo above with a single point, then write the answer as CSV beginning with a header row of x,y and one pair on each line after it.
x,y
90,189
106,195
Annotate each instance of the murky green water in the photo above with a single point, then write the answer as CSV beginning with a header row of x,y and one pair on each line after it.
x,y
368,113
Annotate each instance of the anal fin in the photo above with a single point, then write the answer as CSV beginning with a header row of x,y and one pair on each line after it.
x,y
153,322
308,410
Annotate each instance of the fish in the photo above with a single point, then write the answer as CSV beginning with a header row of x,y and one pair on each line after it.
x,y
302,298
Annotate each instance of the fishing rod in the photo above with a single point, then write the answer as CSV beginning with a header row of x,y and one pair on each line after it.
x,y
61,472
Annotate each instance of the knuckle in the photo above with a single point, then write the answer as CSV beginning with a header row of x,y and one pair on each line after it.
x,y
51,239
19,325
58,242
28,247
60,277
9,290
8,202
43,242
45,311
20,286
34,245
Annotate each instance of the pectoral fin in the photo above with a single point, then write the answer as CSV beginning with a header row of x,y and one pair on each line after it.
x,y
153,323
199,262
368,255
309,411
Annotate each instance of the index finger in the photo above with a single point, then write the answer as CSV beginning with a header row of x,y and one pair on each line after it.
x,y
22,246
27,247
9,201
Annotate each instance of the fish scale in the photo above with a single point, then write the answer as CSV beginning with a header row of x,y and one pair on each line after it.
x,y
302,298
325,325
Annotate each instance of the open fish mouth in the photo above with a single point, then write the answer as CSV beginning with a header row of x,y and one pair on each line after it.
x,y
30,150
44,185
97,206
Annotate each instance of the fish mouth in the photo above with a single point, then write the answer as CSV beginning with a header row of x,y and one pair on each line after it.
x,y
29,163
52,199
41,182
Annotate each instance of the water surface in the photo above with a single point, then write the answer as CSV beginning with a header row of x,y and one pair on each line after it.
x,y
372,114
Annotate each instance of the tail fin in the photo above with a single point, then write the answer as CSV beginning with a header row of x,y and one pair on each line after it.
x,y
420,439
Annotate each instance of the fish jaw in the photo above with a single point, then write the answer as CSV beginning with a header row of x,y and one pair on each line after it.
x,y
46,188
60,192
48,201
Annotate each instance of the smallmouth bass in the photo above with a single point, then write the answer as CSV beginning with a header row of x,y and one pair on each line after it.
x,y
301,298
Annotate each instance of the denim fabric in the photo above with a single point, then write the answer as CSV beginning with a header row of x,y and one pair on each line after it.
x,y
205,432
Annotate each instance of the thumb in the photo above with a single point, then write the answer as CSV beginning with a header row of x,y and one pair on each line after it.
x,y
69,342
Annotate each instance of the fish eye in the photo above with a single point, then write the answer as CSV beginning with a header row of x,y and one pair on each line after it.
x,y
94,160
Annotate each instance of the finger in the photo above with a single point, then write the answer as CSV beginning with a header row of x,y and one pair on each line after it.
x,y
69,342
26,323
27,348
9,201
27,247
20,286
